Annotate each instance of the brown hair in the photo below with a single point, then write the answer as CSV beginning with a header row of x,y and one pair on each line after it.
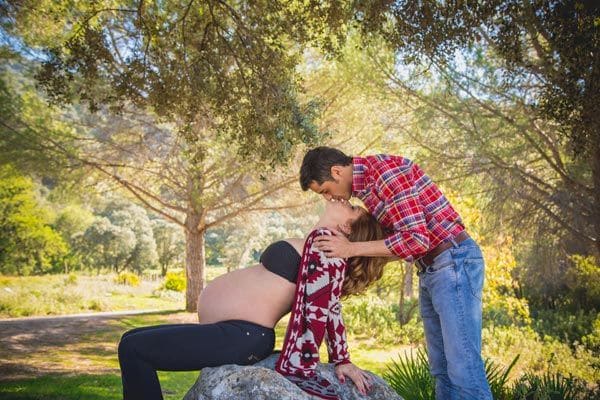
x,y
317,163
362,271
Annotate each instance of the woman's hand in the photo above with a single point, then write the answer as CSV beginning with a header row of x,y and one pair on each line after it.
x,y
361,379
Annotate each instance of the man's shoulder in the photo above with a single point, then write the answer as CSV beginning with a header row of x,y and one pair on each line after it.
x,y
382,163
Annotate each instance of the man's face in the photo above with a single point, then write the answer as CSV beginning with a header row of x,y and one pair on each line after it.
x,y
338,189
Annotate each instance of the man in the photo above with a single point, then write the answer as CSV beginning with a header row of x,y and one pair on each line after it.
x,y
426,229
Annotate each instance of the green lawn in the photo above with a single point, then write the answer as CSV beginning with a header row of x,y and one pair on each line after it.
x,y
82,363
58,295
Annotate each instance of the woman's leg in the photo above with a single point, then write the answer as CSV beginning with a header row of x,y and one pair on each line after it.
x,y
145,328
186,347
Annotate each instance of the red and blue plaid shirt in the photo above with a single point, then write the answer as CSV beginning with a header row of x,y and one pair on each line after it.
x,y
406,202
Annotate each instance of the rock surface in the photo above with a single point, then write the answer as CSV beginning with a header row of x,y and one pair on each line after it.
x,y
261,382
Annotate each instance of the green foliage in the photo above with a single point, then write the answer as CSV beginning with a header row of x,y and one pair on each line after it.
x,y
170,244
127,278
501,305
592,341
497,377
231,66
410,377
539,354
583,280
543,42
370,316
551,386
49,295
71,219
28,243
121,237
71,279
175,281
568,327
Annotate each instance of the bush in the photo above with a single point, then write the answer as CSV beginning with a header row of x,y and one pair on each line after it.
x,y
538,354
127,278
70,279
592,341
583,279
551,386
372,317
411,379
175,281
98,305
568,327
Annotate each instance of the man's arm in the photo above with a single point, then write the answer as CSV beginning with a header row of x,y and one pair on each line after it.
x,y
338,245
375,248
397,188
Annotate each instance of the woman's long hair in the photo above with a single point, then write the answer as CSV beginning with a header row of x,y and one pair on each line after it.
x,y
362,271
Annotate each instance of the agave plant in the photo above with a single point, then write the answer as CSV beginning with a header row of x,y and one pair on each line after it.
x,y
551,386
410,377
497,377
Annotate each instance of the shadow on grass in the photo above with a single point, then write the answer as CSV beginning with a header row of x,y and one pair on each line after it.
x,y
32,348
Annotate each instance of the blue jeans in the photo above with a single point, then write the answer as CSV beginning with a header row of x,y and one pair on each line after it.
x,y
450,300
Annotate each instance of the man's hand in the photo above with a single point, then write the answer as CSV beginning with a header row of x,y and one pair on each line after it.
x,y
336,245
361,379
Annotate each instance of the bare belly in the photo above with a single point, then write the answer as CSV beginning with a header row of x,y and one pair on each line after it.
x,y
252,294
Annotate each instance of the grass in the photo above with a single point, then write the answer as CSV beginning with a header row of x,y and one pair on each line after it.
x,y
84,364
59,295
364,353
77,360
89,386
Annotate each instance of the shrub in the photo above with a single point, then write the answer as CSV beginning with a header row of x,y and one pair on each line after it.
x,y
127,278
568,327
70,279
497,377
175,281
538,354
592,341
410,377
551,386
370,316
583,279
98,305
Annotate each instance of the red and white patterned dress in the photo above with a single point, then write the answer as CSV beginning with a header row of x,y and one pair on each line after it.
x,y
316,314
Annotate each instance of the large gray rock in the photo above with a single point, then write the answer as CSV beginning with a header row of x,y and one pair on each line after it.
x,y
261,382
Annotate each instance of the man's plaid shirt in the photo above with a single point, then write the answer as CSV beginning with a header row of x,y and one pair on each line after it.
x,y
406,202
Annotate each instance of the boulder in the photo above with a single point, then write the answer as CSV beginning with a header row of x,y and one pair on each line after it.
x,y
260,382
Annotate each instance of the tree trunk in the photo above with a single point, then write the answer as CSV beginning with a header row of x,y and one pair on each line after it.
x,y
245,255
408,281
194,261
405,311
596,177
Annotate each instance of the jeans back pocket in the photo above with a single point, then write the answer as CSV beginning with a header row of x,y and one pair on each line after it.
x,y
475,270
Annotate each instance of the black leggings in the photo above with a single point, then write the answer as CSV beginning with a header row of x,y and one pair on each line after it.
x,y
187,347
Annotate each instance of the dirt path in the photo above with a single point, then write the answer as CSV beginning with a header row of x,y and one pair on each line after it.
x,y
30,347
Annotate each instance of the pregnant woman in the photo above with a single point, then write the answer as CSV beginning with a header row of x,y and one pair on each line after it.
x,y
238,312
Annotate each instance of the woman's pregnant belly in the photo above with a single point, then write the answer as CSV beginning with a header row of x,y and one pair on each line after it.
x,y
252,294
